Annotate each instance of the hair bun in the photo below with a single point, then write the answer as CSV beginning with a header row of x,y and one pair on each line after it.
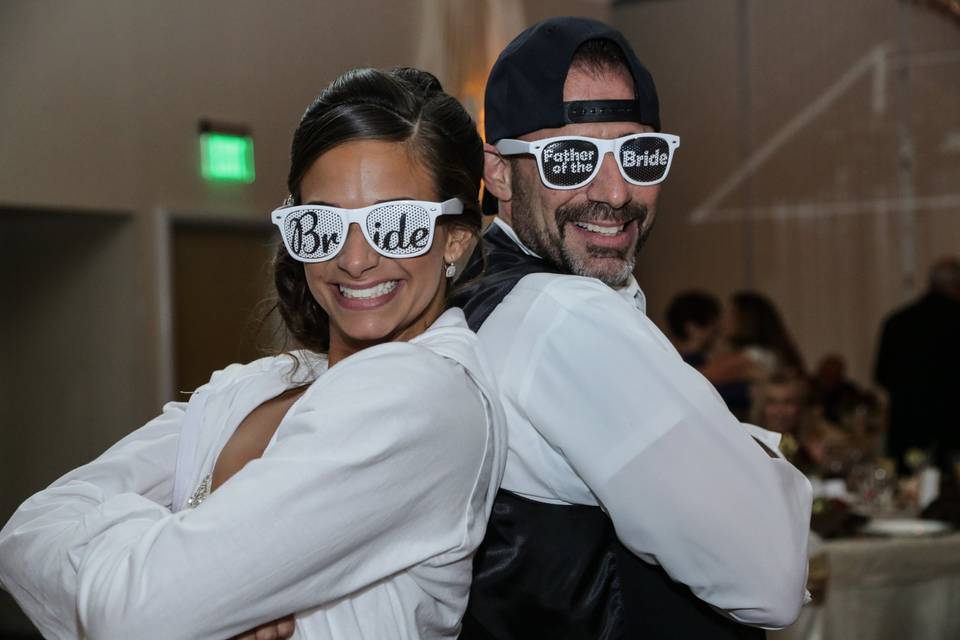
x,y
422,82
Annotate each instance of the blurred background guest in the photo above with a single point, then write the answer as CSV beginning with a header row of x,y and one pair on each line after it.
x,y
755,327
781,403
694,321
917,363
754,330
835,394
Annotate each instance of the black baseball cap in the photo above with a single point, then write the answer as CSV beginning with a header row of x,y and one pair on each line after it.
x,y
525,87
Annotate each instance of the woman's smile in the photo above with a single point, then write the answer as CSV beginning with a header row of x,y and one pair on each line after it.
x,y
366,296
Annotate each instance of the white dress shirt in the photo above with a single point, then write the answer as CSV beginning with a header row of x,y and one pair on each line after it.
x,y
362,514
602,410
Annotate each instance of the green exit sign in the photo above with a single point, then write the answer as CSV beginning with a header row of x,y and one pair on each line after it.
x,y
226,156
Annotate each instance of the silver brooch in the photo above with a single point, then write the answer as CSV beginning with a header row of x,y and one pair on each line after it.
x,y
201,493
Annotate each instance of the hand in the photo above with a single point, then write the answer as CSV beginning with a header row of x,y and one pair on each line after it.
x,y
731,367
278,629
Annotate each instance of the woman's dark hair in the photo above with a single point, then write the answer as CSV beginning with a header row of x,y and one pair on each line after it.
x,y
402,105
758,323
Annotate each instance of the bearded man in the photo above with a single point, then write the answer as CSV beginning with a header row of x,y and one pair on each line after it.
x,y
634,505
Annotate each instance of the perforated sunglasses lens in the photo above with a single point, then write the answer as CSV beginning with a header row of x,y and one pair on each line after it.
x,y
645,159
569,163
314,234
399,229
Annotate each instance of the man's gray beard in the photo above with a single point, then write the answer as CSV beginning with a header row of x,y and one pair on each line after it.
x,y
557,253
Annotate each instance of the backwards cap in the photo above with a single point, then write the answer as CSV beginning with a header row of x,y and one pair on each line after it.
x,y
525,87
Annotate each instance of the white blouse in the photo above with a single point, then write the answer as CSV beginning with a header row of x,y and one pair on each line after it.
x,y
602,410
362,515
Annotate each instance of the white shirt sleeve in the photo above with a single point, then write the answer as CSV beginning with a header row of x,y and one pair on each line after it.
x,y
370,474
685,485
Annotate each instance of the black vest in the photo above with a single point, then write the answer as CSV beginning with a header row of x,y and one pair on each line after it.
x,y
559,571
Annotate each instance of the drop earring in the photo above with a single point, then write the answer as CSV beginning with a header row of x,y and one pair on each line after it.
x,y
451,270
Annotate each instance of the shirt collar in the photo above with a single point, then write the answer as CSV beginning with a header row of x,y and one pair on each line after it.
x,y
630,291
507,229
634,294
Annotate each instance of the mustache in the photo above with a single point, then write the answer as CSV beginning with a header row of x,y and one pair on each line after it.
x,y
600,212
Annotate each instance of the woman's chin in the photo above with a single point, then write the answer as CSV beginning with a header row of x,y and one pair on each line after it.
x,y
370,334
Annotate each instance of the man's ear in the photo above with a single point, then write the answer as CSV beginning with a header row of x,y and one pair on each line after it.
x,y
496,175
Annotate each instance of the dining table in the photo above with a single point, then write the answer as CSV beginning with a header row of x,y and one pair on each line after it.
x,y
903,586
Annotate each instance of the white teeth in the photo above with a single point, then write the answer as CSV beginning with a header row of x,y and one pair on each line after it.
x,y
606,231
372,292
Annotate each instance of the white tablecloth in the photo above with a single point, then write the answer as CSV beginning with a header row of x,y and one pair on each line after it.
x,y
886,589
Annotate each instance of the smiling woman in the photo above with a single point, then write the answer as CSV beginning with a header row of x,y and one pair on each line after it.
x,y
368,297
341,488
426,152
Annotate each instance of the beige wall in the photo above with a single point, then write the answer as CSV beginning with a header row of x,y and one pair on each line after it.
x,y
105,96
535,11
820,220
